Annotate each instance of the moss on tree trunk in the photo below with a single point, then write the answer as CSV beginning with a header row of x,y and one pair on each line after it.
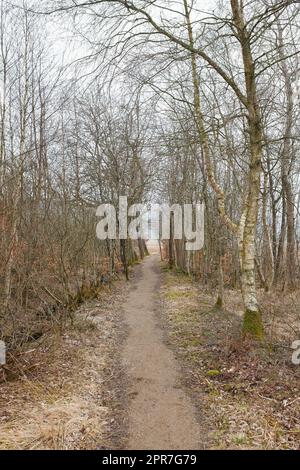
x,y
253,326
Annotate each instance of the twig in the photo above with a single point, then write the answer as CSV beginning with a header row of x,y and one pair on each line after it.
x,y
52,295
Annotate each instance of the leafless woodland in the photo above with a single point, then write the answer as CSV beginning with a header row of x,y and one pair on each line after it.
x,y
174,101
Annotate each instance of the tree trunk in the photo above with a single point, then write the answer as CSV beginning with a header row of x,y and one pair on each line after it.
x,y
286,161
247,228
267,242
220,299
171,243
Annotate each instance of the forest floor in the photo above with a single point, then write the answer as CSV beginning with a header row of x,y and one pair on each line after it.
x,y
160,413
67,392
151,364
248,394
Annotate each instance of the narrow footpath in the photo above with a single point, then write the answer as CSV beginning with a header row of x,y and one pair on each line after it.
x,y
161,415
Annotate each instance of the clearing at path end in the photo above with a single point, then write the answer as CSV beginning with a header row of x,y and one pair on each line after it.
x,y
161,415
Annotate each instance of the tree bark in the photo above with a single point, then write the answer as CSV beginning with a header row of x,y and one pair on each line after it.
x,y
252,317
286,161
246,230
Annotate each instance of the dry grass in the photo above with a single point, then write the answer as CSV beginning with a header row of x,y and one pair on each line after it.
x,y
66,401
248,396
61,425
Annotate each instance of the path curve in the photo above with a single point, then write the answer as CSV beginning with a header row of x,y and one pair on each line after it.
x,y
161,415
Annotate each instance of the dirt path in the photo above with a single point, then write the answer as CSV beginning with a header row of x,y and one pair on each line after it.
x,y
161,415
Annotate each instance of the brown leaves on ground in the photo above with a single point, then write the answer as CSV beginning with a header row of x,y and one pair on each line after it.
x,y
248,395
67,400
